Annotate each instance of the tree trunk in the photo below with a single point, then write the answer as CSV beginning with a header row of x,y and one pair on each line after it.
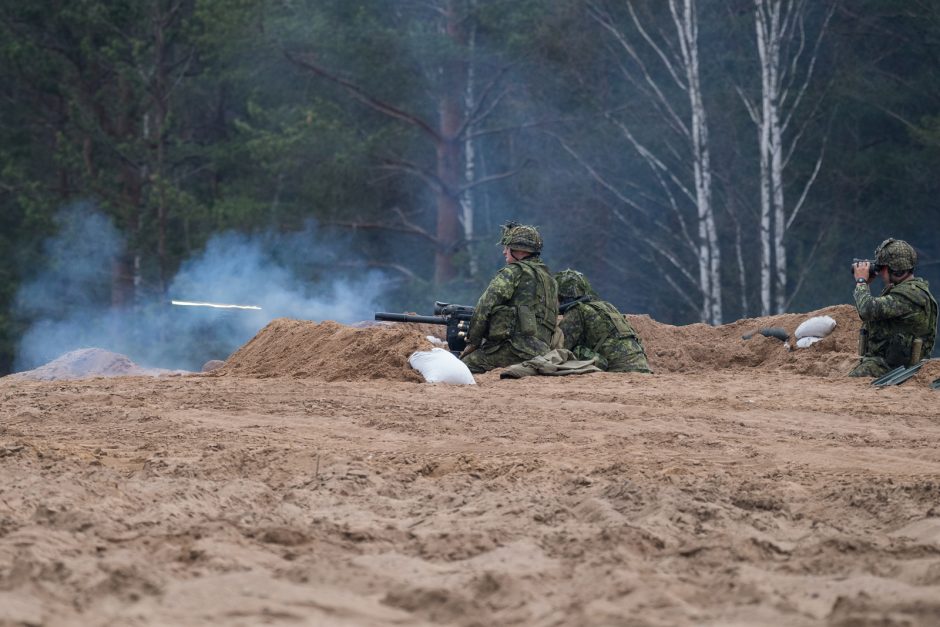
x,y
690,202
777,23
469,155
161,111
709,256
765,25
125,276
776,180
451,113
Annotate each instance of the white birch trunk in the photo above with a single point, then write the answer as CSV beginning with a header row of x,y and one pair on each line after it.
x,y
765,247
709,256
776,181
762,23
775,31
466,199
681,62
777,22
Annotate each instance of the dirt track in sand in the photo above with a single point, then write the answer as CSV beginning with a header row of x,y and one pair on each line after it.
x,y
745,495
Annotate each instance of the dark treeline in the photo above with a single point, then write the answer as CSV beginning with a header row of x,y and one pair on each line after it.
x,y
699,161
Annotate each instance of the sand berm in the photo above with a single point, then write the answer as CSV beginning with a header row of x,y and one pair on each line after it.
x,y
315,479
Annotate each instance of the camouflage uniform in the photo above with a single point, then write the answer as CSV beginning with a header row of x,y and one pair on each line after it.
x,y
904,312
593,327
892,322
515,317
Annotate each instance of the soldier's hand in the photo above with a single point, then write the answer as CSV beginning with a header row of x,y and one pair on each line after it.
x,y
466,351
862,270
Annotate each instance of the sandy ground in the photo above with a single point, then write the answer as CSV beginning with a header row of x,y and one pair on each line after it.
x,y
738,496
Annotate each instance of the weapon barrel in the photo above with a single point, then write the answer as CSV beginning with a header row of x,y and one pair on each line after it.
x,y
398,317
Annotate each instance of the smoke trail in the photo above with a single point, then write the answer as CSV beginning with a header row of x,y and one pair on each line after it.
x,y
68,302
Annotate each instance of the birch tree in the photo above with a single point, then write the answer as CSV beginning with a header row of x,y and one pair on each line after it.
x,y
788,56
665,69
467,217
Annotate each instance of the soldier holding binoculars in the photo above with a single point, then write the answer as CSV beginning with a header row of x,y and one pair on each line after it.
x,y
899,326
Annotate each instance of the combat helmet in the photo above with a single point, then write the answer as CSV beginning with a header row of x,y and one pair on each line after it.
x,y
572,285
897,254
521,237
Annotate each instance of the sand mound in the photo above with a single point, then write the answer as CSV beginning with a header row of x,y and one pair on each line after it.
x,y
89,362
333,351
928,373
328,350
697,347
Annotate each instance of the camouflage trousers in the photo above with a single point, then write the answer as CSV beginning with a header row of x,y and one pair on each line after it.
x,y
870,366
495,356
620,355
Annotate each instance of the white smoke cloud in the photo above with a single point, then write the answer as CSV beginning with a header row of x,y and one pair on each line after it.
x,y
68,303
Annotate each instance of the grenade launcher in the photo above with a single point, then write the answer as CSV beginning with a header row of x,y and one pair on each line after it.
x,y
455,317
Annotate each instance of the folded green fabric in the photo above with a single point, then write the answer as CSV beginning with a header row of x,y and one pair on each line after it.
x,y
555,363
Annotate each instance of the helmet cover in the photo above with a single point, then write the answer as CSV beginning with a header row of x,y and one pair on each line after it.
x,y
897,254
521,237
572,284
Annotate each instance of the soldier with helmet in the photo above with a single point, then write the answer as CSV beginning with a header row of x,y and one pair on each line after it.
x,y
593,327
900,326
514,319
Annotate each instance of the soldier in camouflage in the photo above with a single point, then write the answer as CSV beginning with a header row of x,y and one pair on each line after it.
x,y
515,317
593,327
900,326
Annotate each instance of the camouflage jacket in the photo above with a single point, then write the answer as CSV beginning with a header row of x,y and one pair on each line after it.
x,y
903,313
598,326
519,306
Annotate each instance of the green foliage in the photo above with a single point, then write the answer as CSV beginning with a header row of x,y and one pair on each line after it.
x,y
183,124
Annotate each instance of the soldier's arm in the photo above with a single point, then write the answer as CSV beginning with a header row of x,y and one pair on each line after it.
x,y
499,290
571,325
880,307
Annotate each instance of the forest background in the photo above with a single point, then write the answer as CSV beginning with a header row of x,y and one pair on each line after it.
x,y
698,161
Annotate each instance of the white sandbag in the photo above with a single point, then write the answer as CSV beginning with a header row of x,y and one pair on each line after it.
x,y
435,340
817,326
806,342
440,366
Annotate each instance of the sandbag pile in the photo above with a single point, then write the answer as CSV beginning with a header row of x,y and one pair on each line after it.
x,y
812,330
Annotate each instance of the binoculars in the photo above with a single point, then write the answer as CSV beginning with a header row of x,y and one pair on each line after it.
x,y
873,268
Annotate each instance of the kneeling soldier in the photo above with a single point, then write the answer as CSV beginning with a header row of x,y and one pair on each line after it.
x,y
595,327
900,326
